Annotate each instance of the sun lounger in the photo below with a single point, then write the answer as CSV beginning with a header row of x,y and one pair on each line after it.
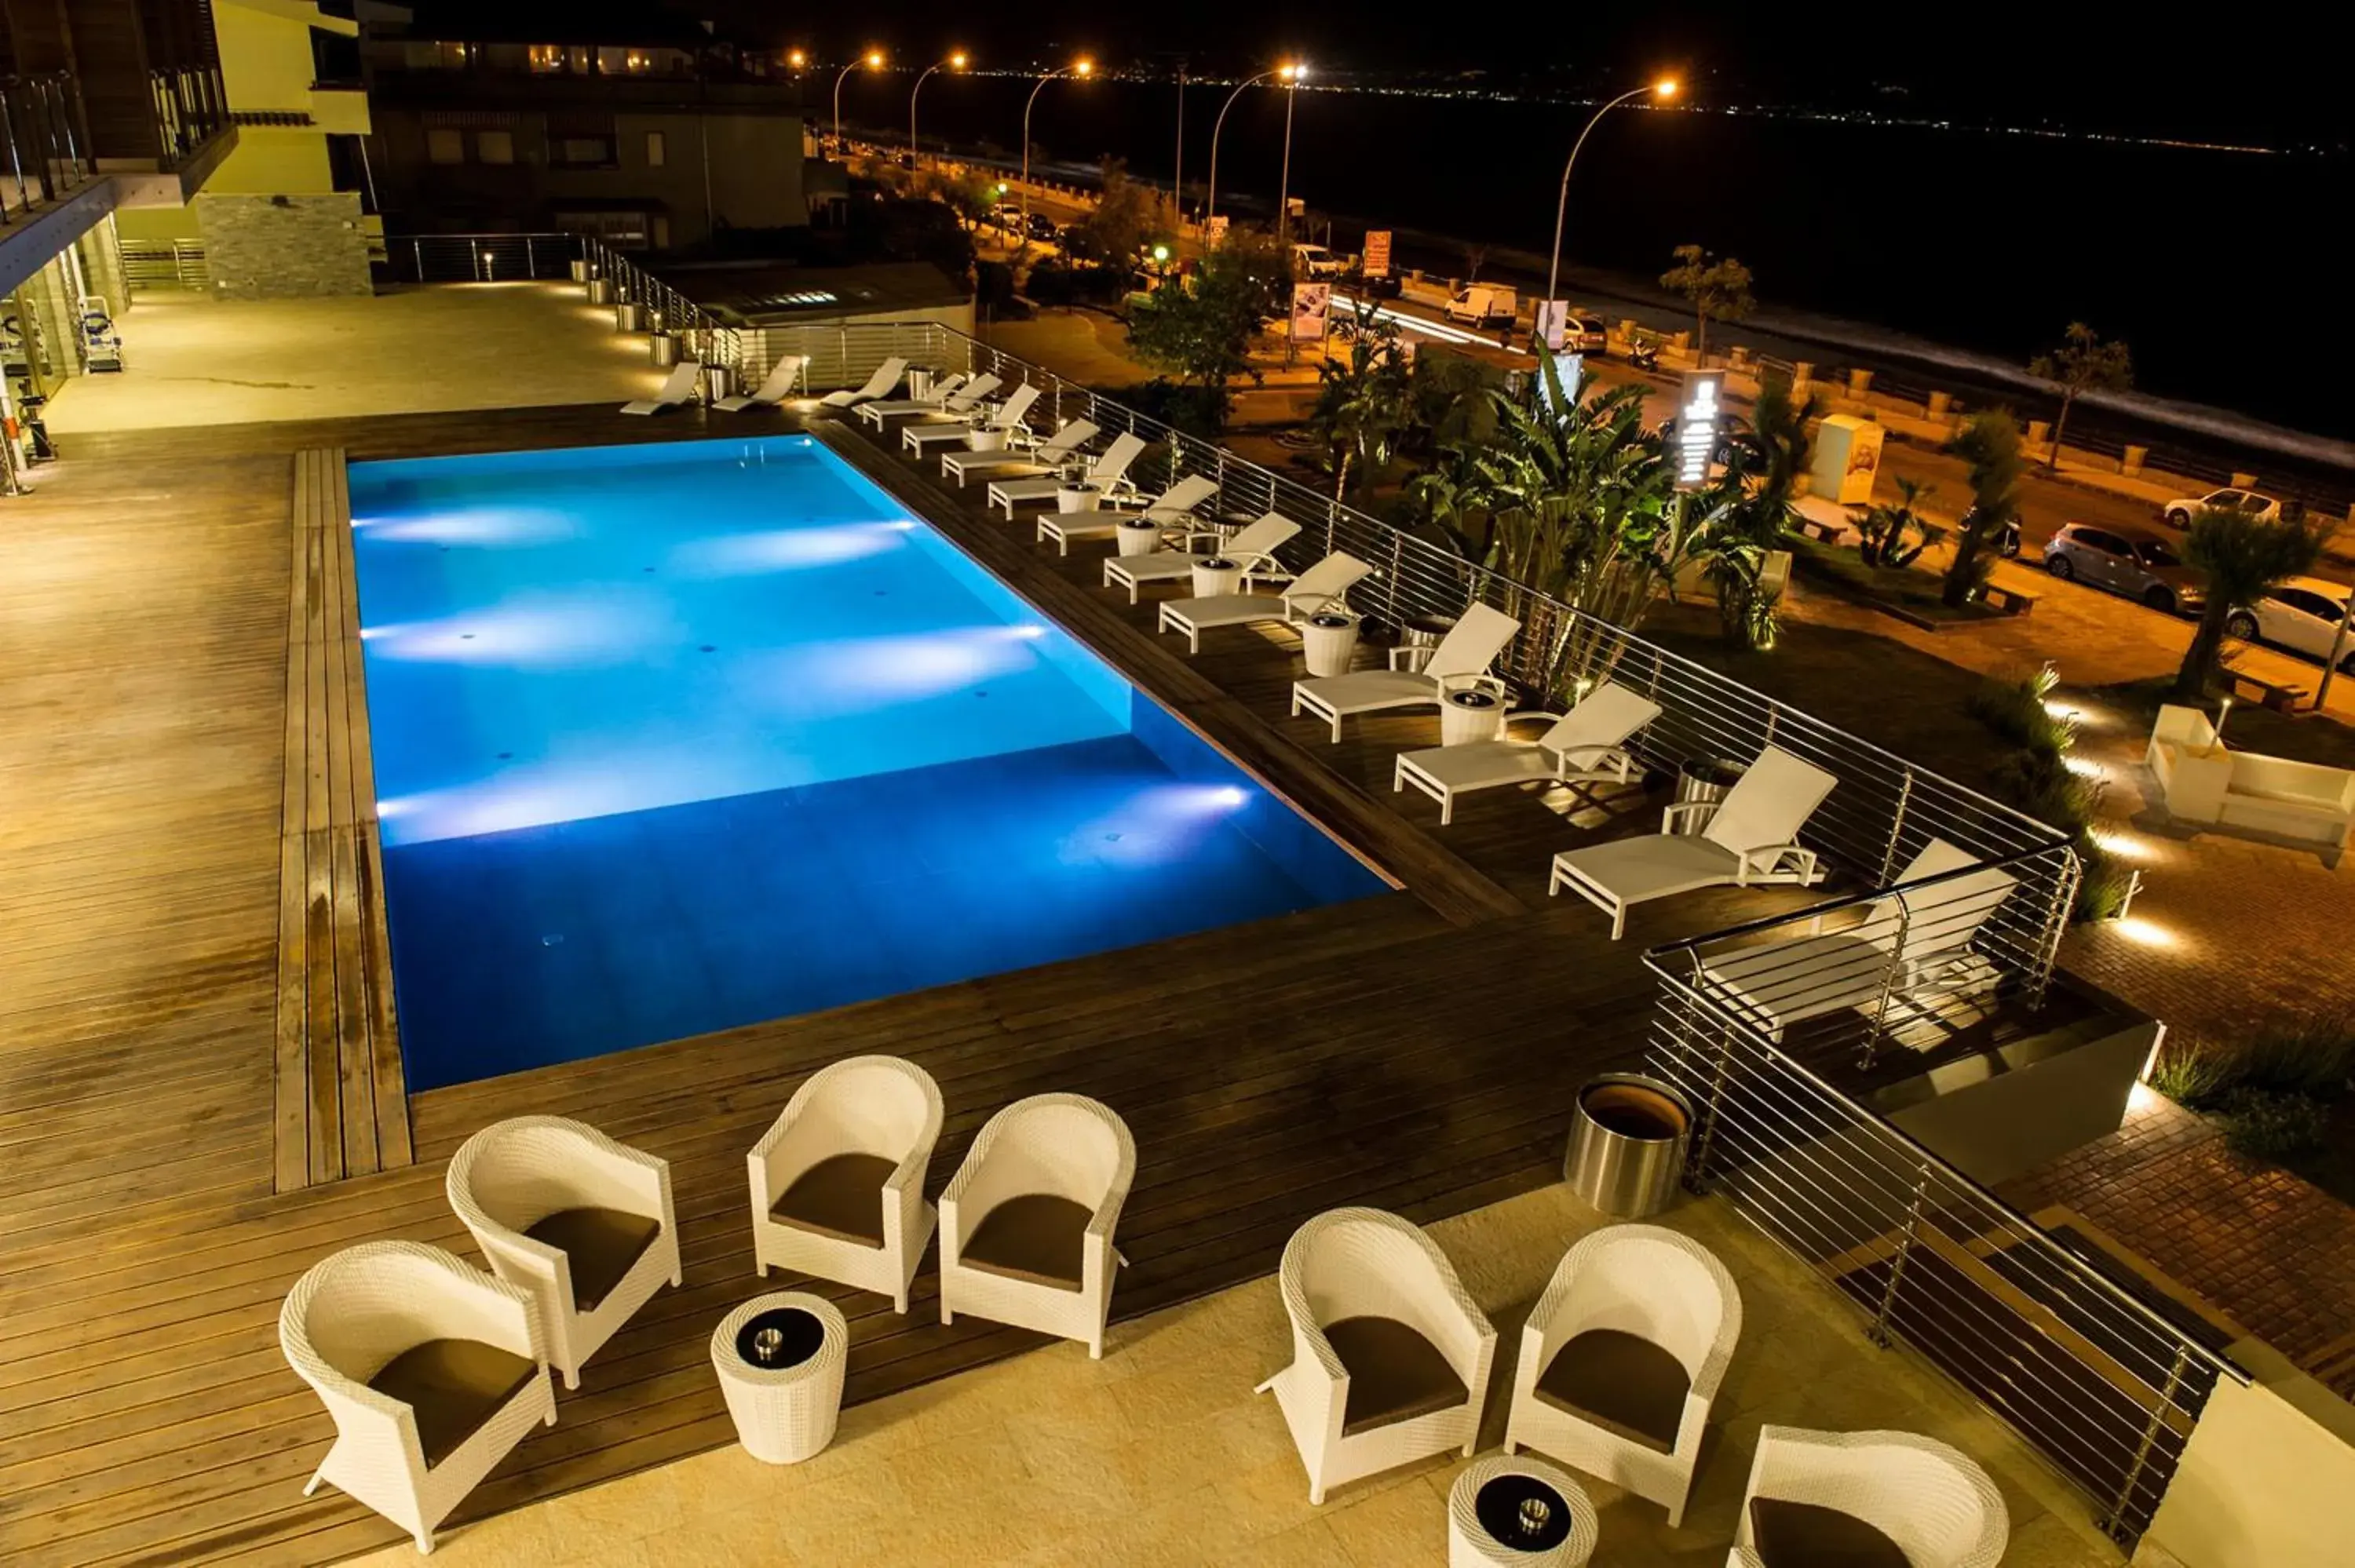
x,y
957,401
677,389
1459,664
887,375
1914,943
774,389
1325,585
1585,747
1252,547
1752,839
1049,454
922,435
1108,474
1173,506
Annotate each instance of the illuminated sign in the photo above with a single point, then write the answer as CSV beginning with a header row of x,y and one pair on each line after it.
x,y
1310,303
1551,316
1376,262
1699,409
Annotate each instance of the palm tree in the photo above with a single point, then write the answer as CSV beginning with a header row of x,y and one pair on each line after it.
x,y
1362,400
2244,558
2082,363
1764,460
1990,444
1886,529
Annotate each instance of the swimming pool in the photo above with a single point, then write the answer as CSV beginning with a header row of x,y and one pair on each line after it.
x,y
670,738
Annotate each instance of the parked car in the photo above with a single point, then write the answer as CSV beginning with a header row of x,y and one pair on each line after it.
x,y
2135,562
2263,507
1484,304
1582,332
1315,264
2303,615
1044,229
1007,216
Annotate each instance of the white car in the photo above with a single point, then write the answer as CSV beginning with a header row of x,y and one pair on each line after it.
x,y
2303,615
2181,511
1315,264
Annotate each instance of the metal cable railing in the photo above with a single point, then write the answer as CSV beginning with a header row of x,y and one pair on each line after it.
x,y
2102,1385
42,158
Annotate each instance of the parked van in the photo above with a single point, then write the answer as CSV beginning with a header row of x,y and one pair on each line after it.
x,y
1315,264
1484,304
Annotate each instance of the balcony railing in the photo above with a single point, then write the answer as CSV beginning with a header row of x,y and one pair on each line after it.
x,y
190,109
43,158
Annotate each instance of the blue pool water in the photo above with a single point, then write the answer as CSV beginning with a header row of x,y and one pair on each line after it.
x,y
672,738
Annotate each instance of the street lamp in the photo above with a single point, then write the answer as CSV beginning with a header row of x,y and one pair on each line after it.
x,y
955,62
1290,73
796,58
1664,90
873,61
1081,68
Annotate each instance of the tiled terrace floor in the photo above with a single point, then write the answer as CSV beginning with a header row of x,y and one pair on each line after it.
x,y
1160,1454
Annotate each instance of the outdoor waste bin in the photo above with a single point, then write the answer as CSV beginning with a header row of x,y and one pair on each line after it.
x,y
664,348
1628,1144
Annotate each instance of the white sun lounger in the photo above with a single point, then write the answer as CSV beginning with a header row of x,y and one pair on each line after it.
x,y
1173,506
774,389
1912,943
1585,747
1109,472
887,375
958,401
1050,453
677,389
1325,585
1752,839
1252,547
924,434
1459,664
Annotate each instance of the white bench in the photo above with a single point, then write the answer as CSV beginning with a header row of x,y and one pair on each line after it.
x,y
2205,782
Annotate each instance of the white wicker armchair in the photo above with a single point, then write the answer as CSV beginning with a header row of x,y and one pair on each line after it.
x,y
839,1181
1026,1223
1621,1356
584,1223
1810,1491
432,1370
1390,1356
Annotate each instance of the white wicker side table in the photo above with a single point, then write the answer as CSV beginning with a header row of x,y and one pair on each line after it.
x,y
1519,1513
785,1405
1468,715
1328,641
1215,574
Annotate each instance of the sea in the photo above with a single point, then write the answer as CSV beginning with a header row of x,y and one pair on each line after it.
x,y
1947,246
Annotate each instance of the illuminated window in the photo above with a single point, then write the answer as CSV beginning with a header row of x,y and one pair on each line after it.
x,y
655,149
494,146
445,146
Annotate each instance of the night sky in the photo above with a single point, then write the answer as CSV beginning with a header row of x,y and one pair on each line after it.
x,y
2212,72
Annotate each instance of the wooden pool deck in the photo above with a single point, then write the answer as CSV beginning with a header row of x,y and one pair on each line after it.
x,y
1414,1051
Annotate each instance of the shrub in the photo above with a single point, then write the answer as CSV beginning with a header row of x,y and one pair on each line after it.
x,y
2267,1125
2190,1071
2313,1055
1197,410
2015,710
1056,283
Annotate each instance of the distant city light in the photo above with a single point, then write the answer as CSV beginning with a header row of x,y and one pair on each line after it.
x,y
1293,72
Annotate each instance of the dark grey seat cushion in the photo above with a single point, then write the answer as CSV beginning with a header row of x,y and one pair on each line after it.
x,y
1805,1535
1622,1382
452,1386
1395,1373
1038,1237
840,1196
601,1246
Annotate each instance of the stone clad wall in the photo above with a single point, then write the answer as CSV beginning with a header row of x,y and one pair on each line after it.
x,y
285,246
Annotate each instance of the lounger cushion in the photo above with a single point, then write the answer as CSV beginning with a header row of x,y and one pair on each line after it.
x,y
1364,689
601,1245
1620,1381
1807,1535
1652,866
452,1386
1395,1373
1782,983
840,1197
1481,763
1036,1237
1226,608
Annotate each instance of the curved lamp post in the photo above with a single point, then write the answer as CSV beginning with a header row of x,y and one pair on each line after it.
x,y
1290,73
955,62
873,61
1664,89
1080,68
